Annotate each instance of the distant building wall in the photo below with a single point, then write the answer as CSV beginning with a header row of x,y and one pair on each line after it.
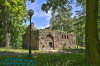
x,y
46,39
34,39
57,39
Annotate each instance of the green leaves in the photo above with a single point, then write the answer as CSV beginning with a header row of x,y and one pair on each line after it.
x,y
81,2
53,4
61,19
31,1
16,15
6,4
13,2
46,7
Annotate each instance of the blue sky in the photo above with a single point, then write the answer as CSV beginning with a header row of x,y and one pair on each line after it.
x,y
40,18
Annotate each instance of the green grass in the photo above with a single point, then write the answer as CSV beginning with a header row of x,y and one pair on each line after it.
x,y
79,47
20,50
47,59
52,59
61,59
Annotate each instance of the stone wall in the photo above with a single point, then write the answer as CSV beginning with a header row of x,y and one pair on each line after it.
x,y
34,38
46,39
59,40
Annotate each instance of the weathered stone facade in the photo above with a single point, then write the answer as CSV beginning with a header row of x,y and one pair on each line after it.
x,y
46,39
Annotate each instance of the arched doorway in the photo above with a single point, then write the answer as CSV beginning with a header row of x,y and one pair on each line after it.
x,y
50,44
50,41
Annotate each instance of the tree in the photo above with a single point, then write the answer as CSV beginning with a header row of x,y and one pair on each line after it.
x,y
13,14
62,19
92,41
79,30
32,1
53,5
91,33
91,26
99,19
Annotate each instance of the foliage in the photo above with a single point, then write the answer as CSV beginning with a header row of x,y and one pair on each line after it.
x,y
79,30
15,14
1,31
52,4
32,1
91,27
99,19
62,19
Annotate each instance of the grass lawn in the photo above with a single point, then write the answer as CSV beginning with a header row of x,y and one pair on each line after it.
x,y
20,50
45,59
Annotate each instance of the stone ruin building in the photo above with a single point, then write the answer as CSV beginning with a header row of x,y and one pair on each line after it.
x,y
46,39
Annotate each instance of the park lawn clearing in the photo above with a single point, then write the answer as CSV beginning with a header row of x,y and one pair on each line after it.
x,y
20,50
52,59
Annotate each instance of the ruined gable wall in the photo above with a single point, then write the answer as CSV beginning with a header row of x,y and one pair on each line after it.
x,y
71,40
58,40
61,40
43,39
34,39
40,40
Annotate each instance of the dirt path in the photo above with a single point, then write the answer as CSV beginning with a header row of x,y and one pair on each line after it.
x,y
3,53
15,53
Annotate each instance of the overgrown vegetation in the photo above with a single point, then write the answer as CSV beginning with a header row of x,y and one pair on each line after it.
x,y
62,18
53,59
85,25
13,14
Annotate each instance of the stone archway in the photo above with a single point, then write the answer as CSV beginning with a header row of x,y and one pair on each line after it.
x,y
50,41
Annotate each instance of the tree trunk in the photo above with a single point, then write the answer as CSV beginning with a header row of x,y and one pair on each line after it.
x,y
92,33
5,29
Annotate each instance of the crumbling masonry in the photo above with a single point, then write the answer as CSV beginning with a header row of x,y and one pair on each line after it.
x,y
46,39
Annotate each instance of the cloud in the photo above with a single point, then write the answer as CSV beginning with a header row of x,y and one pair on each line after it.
x,y
31,5
46,15
39,15
42,27
49,15
36,6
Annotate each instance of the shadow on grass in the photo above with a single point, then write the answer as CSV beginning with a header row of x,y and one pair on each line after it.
x,y
49,59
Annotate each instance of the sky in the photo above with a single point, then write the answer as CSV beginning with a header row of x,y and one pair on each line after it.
x,y
40,18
